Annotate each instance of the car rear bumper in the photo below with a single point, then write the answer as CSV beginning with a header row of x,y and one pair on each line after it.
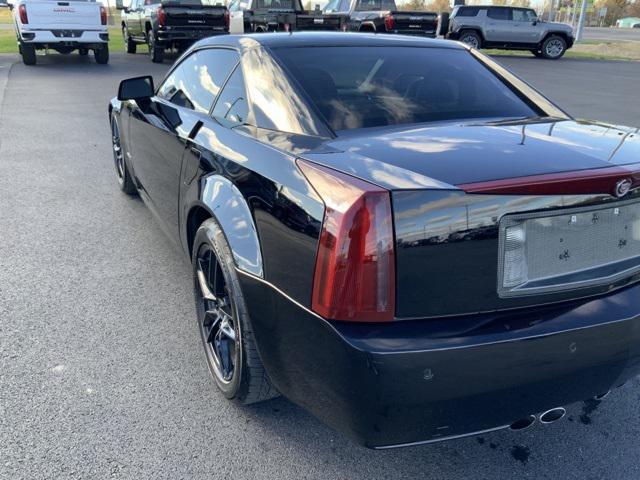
x,y
421,381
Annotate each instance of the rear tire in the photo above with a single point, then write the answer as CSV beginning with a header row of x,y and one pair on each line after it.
x,y
28,54
102,55
156,52
223,320
130,45
554,47
471,38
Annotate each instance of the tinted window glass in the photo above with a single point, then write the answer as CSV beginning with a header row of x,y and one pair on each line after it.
x,y
499,13
365,5
356,87
332,6
196,81
232,101
524,15
275,104
274,4
467,12
345,6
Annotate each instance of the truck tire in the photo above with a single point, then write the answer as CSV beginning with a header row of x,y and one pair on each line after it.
x,y
102,55
554,47
471,38
443,24
128,41
156,52
28,54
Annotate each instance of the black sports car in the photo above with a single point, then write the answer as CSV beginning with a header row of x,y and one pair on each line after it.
x,y
395,233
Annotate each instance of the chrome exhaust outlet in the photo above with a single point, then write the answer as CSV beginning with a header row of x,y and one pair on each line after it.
x,y
523,423
552,415
602,396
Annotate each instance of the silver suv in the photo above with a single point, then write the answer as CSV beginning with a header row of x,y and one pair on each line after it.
x,y
509,28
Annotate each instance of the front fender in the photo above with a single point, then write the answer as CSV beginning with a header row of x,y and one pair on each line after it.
x,y
228,206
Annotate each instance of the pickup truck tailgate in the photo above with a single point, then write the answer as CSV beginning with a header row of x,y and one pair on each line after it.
x,y
418,22
193,14
45,14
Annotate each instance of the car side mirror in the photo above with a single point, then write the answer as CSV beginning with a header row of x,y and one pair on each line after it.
x,y
136,88
534,22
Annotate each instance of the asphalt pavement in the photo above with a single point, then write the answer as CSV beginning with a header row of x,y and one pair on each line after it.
x,y
101,369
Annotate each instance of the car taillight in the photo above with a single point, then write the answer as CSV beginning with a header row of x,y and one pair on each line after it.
x,y
227,18
103,15
162,17
22,10
354,277
389,22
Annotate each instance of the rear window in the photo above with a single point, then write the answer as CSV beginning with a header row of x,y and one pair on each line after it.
x,y
354,87
274,4
365,5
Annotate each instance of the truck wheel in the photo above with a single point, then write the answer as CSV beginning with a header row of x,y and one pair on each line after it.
x,y
102,55
128,41
28,54
554,47
471,38
156,52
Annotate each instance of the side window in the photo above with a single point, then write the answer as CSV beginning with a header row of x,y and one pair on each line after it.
x,y
468,12
195,83
520,15
345,6
499,13
232,101
332,6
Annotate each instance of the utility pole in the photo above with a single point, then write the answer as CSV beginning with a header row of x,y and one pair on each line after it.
x,y
583,15
552,10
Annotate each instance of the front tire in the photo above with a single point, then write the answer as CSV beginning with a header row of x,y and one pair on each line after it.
x,y
156,52
122,171
28,54
471,38
223,320
554,47
102,55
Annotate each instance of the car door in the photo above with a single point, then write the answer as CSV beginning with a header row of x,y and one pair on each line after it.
x,y
526,28
499,25
161,128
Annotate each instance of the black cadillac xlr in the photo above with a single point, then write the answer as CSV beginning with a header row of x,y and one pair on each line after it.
x,y
395,233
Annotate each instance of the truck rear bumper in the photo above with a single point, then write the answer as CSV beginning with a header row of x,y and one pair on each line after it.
x,y
422,381
65,37
171,35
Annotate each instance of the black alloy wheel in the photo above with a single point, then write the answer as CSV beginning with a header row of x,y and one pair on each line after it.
x,y
124,179
223,320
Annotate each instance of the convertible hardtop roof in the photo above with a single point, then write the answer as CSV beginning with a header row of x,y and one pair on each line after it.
x,y
325,39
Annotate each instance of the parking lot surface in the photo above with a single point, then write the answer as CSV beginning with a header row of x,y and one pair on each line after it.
x,y
101,370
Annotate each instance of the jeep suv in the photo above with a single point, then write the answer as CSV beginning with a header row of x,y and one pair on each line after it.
x,y
509,28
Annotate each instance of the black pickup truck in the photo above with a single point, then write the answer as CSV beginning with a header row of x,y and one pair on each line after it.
x,y
279,16
163,24
383,16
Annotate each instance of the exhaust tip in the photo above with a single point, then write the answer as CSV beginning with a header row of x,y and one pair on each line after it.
x,y
552,415
602,396
523,423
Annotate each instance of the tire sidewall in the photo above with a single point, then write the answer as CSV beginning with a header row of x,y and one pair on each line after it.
x,y
471,33
549,39
211,234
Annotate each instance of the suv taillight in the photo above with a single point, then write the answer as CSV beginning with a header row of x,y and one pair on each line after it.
x,y
103,15
227,19
22,11
354,277
389,22
162,17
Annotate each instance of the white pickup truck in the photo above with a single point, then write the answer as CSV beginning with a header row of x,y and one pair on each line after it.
x,y
63,26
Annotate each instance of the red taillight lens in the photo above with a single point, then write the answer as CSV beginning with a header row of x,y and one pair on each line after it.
x,y
22,11
162,17
103,15
354,276
389,22
227,18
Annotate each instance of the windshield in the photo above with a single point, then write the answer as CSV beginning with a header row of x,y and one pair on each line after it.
x,y
355,87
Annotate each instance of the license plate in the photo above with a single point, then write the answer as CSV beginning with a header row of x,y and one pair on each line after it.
x,y
318,21
578,248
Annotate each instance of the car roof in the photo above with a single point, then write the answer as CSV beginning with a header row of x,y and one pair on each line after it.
x,y
325,39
